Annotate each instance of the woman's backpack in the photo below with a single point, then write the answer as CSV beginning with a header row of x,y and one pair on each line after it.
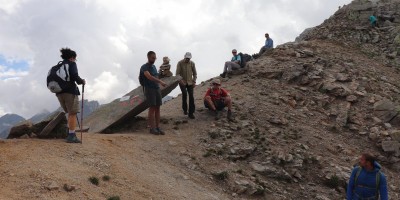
x,y
58,78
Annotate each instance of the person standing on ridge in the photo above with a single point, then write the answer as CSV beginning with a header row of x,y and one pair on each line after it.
x,y
152,92
234,64
187,70
269,44
367,181
68,98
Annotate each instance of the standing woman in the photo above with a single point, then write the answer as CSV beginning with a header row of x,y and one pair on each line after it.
x,y
68,98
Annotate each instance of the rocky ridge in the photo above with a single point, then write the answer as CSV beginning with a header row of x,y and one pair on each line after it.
x,y
308,109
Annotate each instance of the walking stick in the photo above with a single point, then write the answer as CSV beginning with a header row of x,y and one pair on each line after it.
x,y
81,125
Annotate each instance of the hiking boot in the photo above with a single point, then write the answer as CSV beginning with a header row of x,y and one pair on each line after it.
x,y
223,75
71,138
191,116
154,131
161,132
185,112
229,115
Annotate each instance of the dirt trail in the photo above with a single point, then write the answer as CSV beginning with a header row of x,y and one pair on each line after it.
x,y
141,166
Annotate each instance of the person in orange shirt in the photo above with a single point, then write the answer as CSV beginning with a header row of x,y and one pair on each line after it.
x,y
217,98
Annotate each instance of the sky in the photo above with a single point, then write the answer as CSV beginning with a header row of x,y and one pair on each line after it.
x,y
112,38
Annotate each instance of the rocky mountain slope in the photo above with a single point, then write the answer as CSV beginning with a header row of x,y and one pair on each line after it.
x,y
303,114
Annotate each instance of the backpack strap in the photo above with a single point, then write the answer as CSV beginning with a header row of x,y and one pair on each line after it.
x,y
377,180
378,183
359,169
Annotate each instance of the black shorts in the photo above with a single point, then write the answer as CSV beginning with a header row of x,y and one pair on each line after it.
x,y
219,105
153,96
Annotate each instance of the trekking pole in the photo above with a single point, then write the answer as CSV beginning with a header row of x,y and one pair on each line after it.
x,y
81,125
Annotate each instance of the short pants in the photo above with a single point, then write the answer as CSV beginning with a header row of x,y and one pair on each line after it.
x,y
153,96
69,102
219,104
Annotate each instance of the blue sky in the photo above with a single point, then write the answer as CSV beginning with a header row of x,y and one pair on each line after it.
x,y
20,65
112,38
12,69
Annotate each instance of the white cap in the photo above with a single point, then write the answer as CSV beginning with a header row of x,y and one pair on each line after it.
x,y
188,55
216,81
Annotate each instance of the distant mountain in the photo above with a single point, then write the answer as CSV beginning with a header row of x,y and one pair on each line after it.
x,y
40,116
7,122
88,107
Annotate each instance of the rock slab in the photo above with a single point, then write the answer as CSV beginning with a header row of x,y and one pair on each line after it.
x,y
125,108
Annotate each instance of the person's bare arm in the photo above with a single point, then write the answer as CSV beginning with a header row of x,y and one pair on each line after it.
x,y
154,79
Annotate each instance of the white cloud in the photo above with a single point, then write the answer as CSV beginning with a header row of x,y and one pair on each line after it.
x,y
113,37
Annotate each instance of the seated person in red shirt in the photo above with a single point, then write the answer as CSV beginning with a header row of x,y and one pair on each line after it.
x,y
217,98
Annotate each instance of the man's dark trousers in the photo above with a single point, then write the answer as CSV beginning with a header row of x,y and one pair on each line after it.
x,y
185,90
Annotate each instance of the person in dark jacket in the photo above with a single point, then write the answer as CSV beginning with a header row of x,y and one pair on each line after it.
x,y
68,98
367,181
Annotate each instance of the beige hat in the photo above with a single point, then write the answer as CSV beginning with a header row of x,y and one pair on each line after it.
x,y
216,81
188,55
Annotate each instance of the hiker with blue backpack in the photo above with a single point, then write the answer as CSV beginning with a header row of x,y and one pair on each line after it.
x,y
373,20
151,83
234,64
61,81
367,181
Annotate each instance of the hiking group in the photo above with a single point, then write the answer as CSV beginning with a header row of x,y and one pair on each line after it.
x,y
367,181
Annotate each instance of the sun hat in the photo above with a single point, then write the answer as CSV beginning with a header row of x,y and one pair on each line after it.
x,y
216,81
188,55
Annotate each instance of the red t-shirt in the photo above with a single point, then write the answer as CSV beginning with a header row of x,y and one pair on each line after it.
x,y
216,94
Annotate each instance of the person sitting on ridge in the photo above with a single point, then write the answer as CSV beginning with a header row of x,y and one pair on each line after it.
x,y
234,64
165,68
373,20
269,44
217,98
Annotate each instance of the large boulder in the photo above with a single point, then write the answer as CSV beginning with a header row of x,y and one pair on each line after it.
x,y
125,108
397,40
52,127
385,110
22,128
336,89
